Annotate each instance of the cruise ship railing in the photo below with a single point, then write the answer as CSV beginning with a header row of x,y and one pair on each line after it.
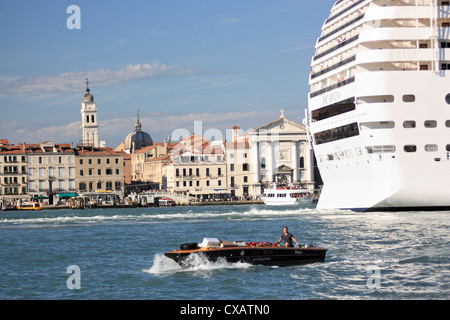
x,y
334,86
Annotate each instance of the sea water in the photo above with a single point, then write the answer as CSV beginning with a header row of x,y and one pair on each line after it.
x,y
118,253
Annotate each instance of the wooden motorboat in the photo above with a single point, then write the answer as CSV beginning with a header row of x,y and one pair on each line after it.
x,y
252,253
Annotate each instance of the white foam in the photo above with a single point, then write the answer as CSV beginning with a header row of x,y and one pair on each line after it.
x,y
195,262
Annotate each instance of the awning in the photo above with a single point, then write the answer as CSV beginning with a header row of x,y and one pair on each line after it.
x,y
40,197
67,195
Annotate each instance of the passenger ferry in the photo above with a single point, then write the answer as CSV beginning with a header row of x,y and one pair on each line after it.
x,y
379,105
32,205
166,202
282,195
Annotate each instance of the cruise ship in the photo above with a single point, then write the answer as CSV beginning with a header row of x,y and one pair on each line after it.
x,y
379,105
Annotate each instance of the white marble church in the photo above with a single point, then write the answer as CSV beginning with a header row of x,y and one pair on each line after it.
x,y
280,152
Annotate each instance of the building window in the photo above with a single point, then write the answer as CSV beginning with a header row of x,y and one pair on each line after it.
x,y
108,171
81,172
82,186
263,163
245,167
232,167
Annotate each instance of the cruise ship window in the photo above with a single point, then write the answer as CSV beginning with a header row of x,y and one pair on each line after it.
x,y
409,98
447,98
447,123
410,148
431,148
409,124
430,124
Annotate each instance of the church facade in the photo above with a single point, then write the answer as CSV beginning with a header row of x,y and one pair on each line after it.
x,y
280,153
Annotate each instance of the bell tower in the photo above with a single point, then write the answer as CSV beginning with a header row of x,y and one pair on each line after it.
x,y
89,125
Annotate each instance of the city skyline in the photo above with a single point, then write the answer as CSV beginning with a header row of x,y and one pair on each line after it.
x,y
225,64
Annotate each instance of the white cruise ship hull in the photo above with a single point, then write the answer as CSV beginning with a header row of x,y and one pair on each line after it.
x,y
391,150
288,202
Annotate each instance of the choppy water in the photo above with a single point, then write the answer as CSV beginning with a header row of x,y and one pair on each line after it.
x,y
119,252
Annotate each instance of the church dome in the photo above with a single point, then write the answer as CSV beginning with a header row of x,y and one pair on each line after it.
x,y
137,139
88,97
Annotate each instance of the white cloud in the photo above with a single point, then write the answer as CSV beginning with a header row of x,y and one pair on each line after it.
x,y
159,126
71,81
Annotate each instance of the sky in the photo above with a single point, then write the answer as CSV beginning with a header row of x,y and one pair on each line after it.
x,y
221,62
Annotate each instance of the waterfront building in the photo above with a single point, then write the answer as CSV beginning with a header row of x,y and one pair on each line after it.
x,y
89,124
141,175
197,168
280,153
238,164
153,170
13,172
99,170
51,171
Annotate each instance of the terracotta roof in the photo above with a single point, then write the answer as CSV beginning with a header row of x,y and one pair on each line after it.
x,y
241,144
161,158
98,152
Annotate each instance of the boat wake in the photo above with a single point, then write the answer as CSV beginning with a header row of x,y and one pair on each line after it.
x,y
165,266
